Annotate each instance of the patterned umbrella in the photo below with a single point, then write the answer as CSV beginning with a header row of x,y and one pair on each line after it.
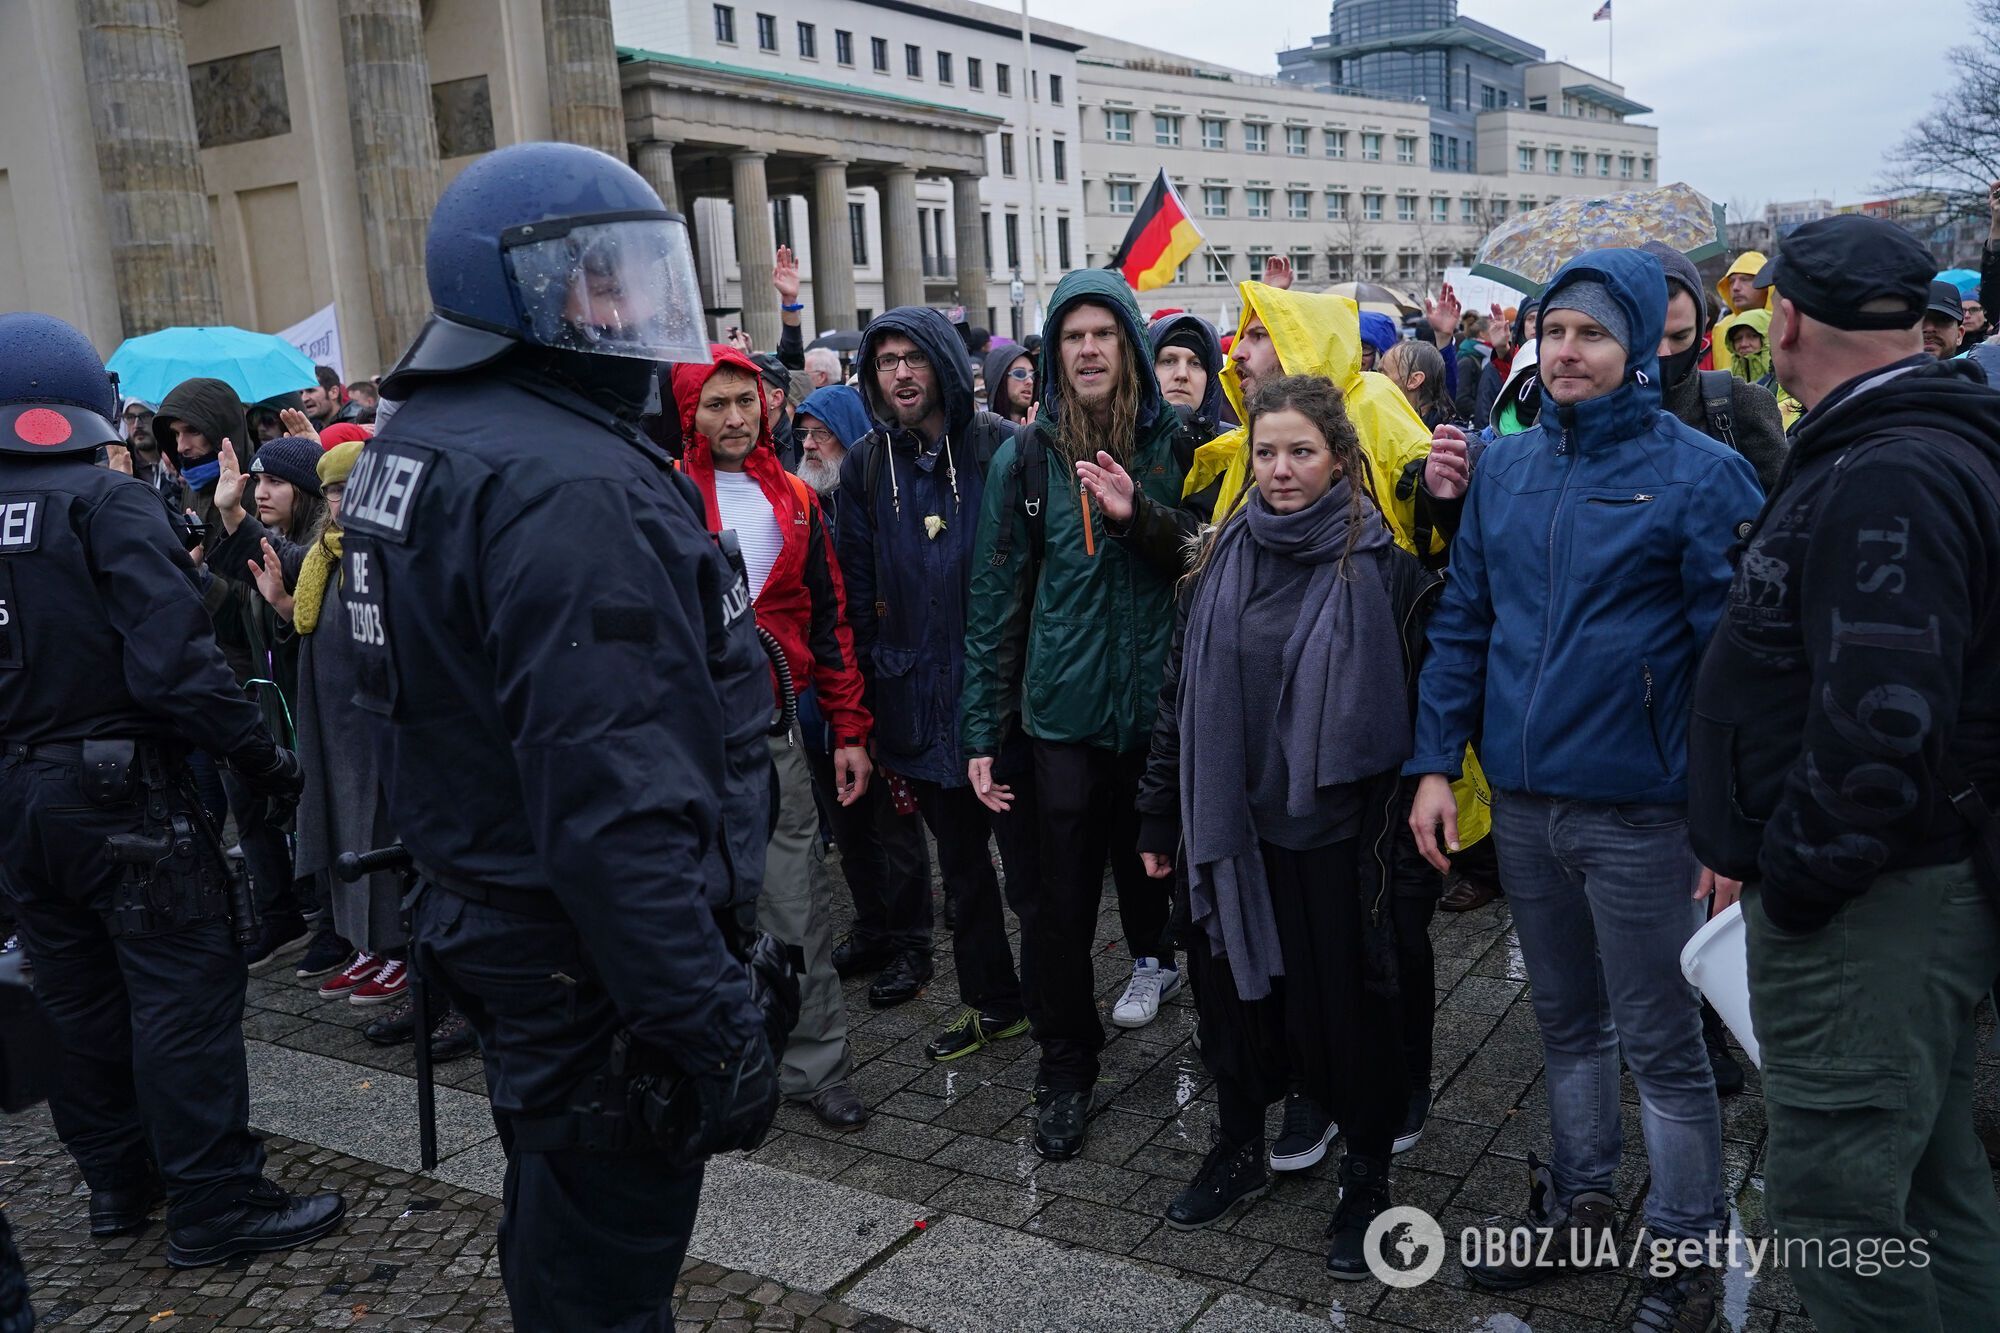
x,y
1526,252
1377,296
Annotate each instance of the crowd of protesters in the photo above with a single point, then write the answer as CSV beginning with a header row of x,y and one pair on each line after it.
x,y
1618,603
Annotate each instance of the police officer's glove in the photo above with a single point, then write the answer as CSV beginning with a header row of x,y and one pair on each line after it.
x,y
725,1109
774,987
276,776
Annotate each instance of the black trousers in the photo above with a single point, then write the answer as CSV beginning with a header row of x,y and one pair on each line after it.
x,y
588,1239
883,856
985,963
151,1025
1085,817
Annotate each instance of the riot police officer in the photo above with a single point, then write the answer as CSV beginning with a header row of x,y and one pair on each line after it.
x,y
571,707
109,675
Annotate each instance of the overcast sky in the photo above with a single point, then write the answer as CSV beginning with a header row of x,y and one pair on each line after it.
x,y
1782,99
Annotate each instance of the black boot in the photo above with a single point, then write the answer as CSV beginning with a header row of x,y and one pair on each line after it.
x,y
268,1218
904,979
1715,1036
113,1212
1364,1196
1229,1175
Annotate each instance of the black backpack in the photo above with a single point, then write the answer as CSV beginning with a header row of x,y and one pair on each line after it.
x,y
1718,405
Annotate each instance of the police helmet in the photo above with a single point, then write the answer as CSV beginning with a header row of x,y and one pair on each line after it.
x,y
558,246
55,395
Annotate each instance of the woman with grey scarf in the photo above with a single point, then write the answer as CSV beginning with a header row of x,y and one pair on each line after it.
x,y
1284,719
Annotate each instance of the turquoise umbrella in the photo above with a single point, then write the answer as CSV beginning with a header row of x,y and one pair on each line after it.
x,y
256,365
1965,279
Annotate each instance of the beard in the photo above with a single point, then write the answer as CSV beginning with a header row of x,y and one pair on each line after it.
x,y
1109,428
822,476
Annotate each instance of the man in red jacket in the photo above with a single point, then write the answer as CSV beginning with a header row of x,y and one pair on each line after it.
x,y
796,592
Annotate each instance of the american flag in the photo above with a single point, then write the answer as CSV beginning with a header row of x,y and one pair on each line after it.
x,y
1603,14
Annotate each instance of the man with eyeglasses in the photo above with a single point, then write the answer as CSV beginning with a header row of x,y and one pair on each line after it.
x,y
1010,382
909,502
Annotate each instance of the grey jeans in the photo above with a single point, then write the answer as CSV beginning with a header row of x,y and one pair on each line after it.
x,y
796,906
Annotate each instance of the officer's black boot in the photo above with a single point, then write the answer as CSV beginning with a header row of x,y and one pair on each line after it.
x,y
120,1209
268,1218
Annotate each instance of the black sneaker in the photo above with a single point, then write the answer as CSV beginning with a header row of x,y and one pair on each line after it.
x,y
1412,1131
395,1027
1715,1036
268,1218
1303,1139
852,956
904,979
453,1038
1560,1240
970,1031
1687,1301
1364,1196
1229,1176
325,954
275,936
1061,1117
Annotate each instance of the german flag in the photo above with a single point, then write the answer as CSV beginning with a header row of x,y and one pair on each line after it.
x,y
1162,234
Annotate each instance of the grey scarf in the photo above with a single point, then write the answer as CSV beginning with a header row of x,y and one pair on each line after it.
x,y
1339,716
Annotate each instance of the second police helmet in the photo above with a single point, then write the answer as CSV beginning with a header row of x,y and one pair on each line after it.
x,y
55,395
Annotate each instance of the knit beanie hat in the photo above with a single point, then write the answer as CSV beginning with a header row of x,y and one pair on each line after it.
x,y
291,458
337,462
1188,336
1590,297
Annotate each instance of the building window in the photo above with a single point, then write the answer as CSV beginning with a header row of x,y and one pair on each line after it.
x,y
986,239
1555,157
1298,205
913,60
878,54
1406,208
1336,205
1214,133
1166,130
857,231
1604,164
1117,125
1010,225
1038,175
1295,140
808,41
944,66
1625,165
1371,208
1538,104
975,72
1001,83
1218,265
725,24
1440,209
1526,160
1256,138
1646,168
1579,163
1055,89
1259,256
1336,143
1059,151
1406,149
1468,209
781,220
1371,148
767,32
1259,203
1006,154
1062,243
1451,153
1123,196
1302,265
1339,265
1489,96
843,46
1437,152
1376,266
1215,201
1408,266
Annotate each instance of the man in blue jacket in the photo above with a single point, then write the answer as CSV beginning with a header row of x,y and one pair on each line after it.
x,y
1589,568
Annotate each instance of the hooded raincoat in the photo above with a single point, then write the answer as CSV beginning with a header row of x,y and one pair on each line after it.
x,y
840,408
1750,262
1072,636
1210,355
1756,368
994,370
1319,334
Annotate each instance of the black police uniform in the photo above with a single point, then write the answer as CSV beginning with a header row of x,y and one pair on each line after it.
x,y
574,755
103,638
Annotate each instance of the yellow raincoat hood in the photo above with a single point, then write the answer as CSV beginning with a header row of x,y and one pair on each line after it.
x,y
1750,262
1317,334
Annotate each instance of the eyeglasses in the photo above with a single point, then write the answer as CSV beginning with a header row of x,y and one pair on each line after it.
x,y
886,362
1020,373
818,435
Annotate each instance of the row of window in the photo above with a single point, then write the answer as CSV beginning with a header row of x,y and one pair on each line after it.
x,y
1219,265
1058,156
1123,198
931,231
878,55
1526,158
1214,131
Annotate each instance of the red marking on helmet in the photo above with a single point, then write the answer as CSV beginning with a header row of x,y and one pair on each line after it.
x,y
43,426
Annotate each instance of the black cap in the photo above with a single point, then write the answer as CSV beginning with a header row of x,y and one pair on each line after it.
x,y
774,371
1946,301
1832,267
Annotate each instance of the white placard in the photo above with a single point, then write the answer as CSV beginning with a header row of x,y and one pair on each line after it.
x,y
318,336
1479,293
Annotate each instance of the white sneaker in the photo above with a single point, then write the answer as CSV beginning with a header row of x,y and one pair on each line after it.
x,y
1150,984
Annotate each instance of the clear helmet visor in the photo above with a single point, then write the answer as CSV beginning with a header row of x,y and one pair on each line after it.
x,y
615,288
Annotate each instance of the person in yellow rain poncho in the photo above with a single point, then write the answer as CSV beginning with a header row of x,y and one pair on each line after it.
x,y
1750,359
1737,295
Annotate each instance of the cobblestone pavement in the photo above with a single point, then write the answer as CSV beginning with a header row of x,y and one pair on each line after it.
x,y
946,1140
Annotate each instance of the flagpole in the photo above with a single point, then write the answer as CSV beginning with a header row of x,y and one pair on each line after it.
x,y
1610,45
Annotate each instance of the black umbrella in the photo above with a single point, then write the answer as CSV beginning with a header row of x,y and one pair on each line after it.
x,y
840,340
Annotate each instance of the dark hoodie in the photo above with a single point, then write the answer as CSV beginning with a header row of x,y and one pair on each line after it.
x,y
212,408
906,589
994,370
1756,430
1205,424
1860,644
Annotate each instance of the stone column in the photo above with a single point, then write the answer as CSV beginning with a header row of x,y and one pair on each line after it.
x,y
750,201
832,249
395,157
149,164
971,245
584,102
902,251
656,164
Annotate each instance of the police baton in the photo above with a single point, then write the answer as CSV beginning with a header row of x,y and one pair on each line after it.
x,y
351,867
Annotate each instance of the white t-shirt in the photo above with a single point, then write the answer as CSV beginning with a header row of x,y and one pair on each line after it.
x,y
745,508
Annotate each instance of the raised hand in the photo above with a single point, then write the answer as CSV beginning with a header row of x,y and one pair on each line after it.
x,y
270,575
229,487
1110,485
1278,272
296,422
1448,470
1443,312
785,275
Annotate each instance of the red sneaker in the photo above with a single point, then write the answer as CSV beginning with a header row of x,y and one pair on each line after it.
x,y
350,978
392,982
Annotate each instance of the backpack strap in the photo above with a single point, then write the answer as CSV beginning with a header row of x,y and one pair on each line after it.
x,y
1025,485
1718,404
